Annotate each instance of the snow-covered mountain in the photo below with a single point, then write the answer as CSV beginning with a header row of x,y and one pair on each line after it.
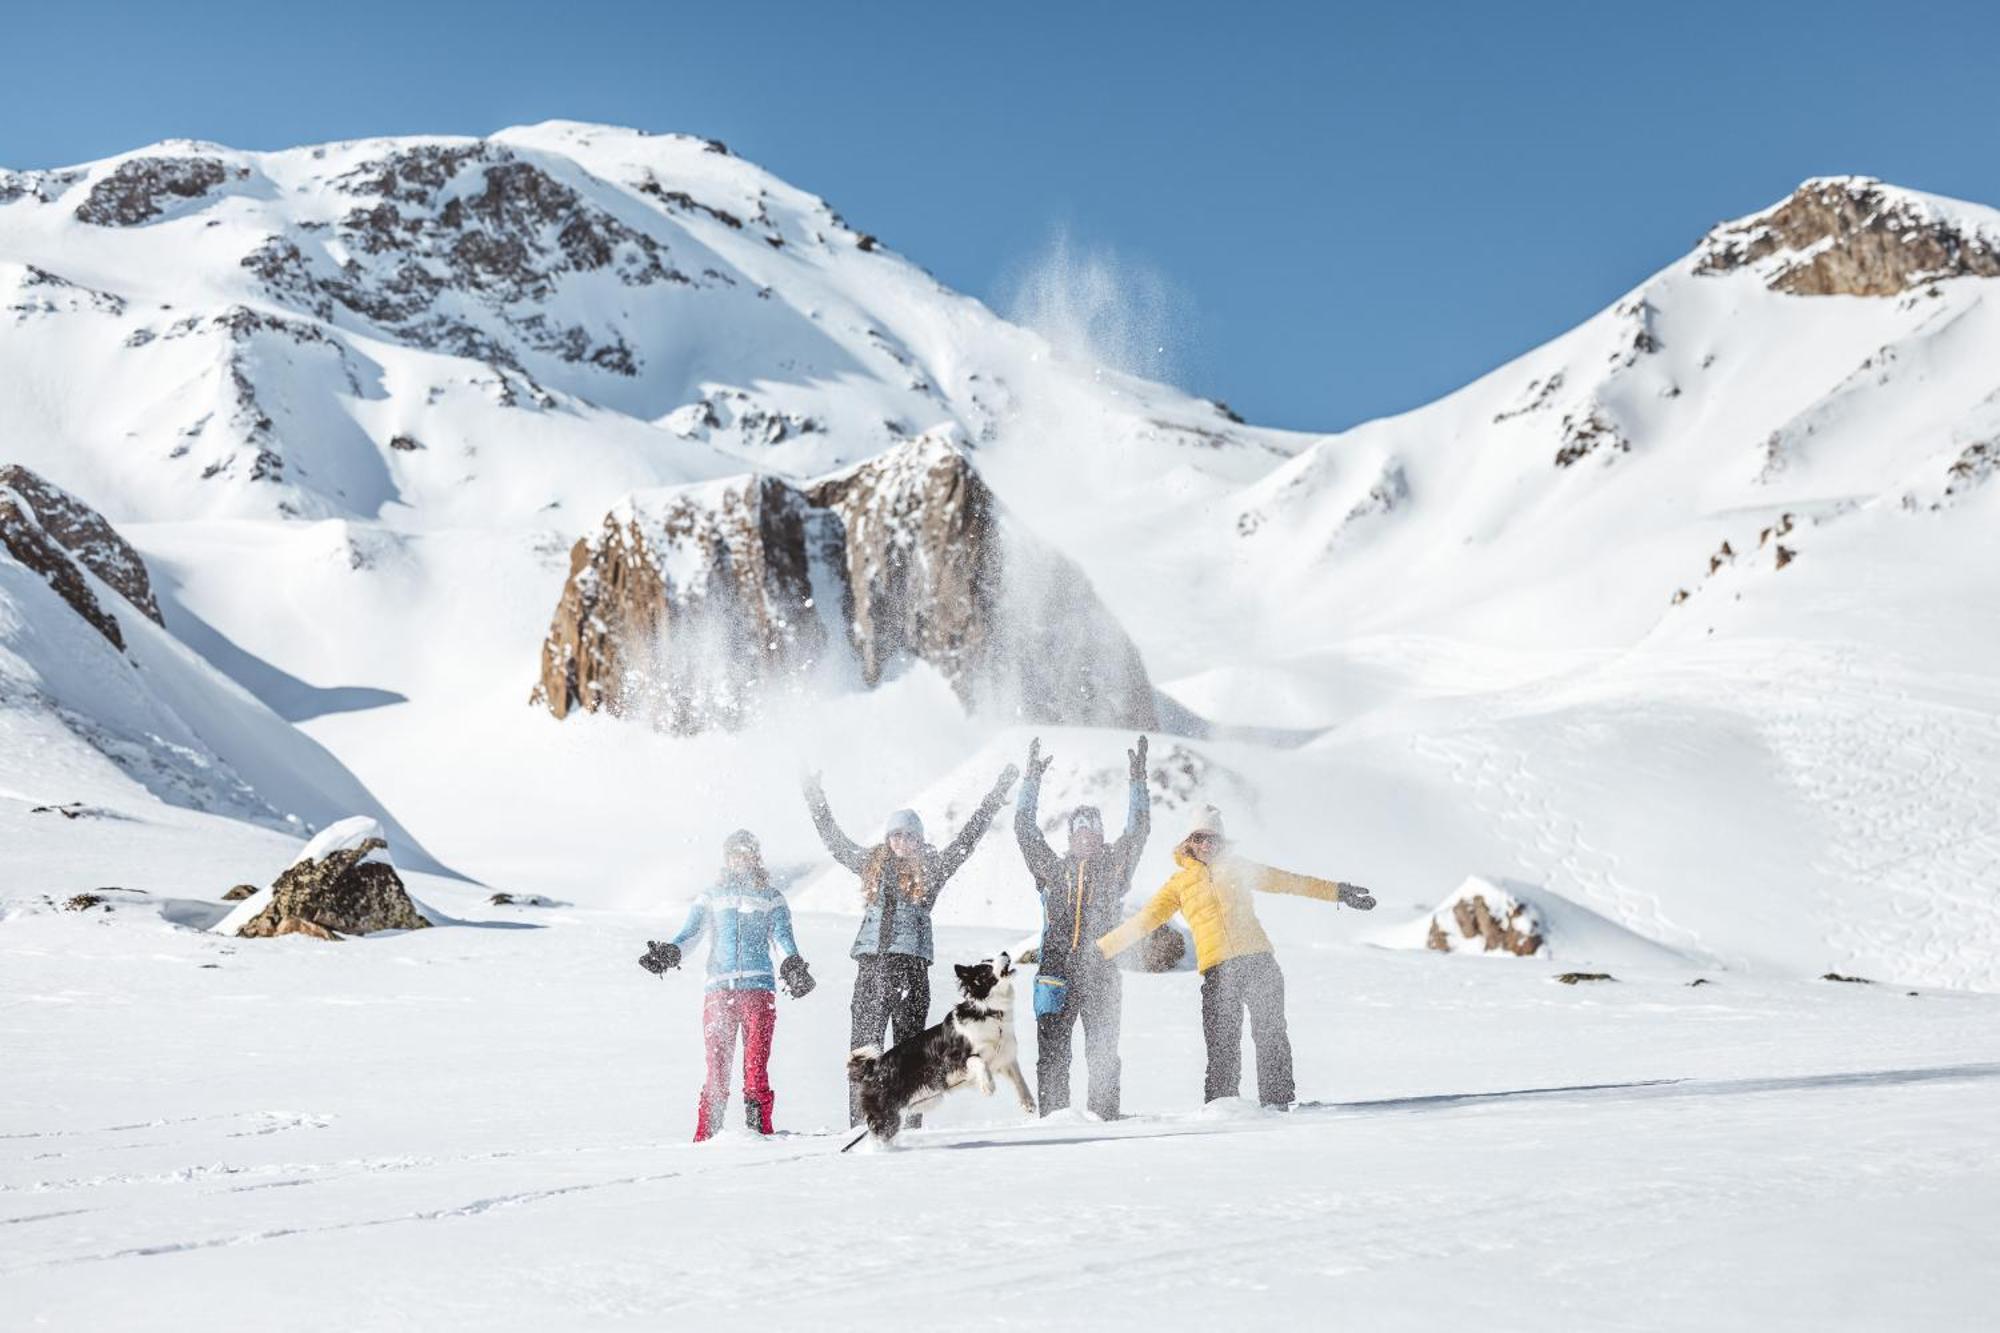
x,y
103,713
1677,616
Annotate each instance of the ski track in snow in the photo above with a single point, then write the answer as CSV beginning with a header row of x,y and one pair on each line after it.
x,y
1307,1117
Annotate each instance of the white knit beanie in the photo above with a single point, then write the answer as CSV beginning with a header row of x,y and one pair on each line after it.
x,y
1208,819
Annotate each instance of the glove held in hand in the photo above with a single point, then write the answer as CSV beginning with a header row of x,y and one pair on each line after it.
x,y
797,977
659,958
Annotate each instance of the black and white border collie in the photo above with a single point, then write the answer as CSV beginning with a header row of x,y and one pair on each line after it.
x,y
974,1044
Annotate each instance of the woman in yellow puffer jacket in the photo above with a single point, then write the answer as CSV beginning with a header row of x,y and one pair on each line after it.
x,y
1212,890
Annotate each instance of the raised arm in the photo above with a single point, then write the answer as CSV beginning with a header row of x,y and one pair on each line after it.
x,y
1139,809
955,853
1035,850
1156,913
838,845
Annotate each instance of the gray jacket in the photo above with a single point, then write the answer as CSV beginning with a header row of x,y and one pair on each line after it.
x,y
894,922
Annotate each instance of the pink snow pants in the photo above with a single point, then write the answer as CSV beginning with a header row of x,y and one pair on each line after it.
x,y
723,1012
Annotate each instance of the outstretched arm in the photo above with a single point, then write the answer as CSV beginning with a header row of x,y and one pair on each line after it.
x,y
697,922
1035,849
1158,909
955,853
838,845
1268,879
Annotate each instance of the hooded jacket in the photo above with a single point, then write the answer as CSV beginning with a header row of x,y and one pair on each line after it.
x,y
1215,899
743,916
1082,898
897,915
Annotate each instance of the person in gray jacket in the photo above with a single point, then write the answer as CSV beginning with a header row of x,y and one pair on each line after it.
x,y
1083,895
901,877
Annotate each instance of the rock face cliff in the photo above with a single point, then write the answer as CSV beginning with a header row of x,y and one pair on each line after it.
x,y
691,606
1851,236
58,537
85,534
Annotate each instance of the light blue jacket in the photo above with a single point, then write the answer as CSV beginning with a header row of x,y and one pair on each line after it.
x,y
743,916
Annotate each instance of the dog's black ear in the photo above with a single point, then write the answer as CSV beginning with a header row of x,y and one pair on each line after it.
x,y
964,972
1006,965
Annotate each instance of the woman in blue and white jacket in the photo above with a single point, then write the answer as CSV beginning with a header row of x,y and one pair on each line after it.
x,y
742,915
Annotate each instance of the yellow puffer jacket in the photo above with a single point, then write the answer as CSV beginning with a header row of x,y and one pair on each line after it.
x,y
1215,899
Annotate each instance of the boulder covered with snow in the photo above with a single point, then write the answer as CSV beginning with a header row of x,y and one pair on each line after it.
x,y
1488,919
691,604
343,883
1505,918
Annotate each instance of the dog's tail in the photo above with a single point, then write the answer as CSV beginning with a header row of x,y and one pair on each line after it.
x,y
861,1059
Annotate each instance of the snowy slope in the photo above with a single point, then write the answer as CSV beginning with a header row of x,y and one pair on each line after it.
x,y
121,730
1667,617
490,1124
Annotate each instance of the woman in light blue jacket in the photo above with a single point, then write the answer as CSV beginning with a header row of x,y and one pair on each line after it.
x,y
742,915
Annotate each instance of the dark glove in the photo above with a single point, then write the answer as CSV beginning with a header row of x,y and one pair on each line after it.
x,y
660,958
1357,897
1137,760
1038,763
1004,785
798,978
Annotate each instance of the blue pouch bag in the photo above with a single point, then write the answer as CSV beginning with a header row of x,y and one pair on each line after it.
x,y
1051,994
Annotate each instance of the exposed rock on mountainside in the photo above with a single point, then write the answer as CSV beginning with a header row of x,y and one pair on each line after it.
x,y
141,188
686,609
85,534
437,228
41,186
689,605
1587,433
342,884
1849,236
24,537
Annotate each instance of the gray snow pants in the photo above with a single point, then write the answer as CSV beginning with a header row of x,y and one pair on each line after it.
x,y
1250,983
1097,999
891,990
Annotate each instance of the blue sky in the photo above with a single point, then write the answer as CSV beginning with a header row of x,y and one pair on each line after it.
x,y
1332,211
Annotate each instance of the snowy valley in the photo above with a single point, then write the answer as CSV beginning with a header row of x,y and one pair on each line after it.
x,y
554,499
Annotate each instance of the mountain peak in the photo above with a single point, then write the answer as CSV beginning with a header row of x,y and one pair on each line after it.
x,y
1856,236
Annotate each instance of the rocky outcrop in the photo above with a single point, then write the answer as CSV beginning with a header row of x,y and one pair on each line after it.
x,y
1588,432
1852,236
342,884
435,227
25,539
85,534
691,606
40,186
141,188
684,610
